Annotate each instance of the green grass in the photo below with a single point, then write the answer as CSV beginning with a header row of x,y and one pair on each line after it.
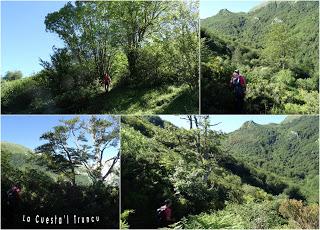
x,y
165,100
25,96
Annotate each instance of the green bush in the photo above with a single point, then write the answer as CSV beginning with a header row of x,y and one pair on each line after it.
x,y
76,99
284,77
17,95
124,218
216,95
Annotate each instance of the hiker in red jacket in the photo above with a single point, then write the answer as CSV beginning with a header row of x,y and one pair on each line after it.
x,y
107,81
238,84
13,195
165,214
12,206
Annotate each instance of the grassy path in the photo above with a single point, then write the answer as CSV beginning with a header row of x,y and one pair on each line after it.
x,y
166,100
25,96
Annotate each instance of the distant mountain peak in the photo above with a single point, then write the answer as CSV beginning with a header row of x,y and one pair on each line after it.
x,y
249,124
225,12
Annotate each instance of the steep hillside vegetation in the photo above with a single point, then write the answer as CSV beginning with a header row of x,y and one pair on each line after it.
x,y
208,186
275,46
289,149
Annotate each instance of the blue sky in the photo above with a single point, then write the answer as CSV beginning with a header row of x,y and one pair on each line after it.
x,y
23,36
209,8
26,130
228,123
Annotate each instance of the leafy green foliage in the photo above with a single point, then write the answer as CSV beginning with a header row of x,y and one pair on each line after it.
x,y
279,46
268,182
207,221
248,216
26,95
123,220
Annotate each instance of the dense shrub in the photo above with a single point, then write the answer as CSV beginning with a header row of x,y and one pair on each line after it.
x,y
20,95
305,217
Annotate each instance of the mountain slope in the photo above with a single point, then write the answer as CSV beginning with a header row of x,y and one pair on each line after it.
x,y
302,19
14,148
18,157
289,149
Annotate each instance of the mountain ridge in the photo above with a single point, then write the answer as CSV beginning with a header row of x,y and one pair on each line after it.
x,y
289,149
246,25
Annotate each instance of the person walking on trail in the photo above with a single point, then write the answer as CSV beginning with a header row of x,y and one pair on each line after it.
x,y
238,84
164,214
106,81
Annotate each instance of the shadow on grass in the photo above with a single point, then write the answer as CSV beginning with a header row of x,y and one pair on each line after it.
x,y
187,102
163,100
166,99
118,100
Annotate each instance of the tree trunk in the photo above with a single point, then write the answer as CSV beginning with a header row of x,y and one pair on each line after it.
x,y
73,179
132,63
190,121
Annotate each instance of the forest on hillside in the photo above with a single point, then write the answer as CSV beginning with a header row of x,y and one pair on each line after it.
x,y
289,150
208,182
276,48
149,49
71,174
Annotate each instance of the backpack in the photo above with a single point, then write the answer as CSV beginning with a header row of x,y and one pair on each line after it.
x,y
106,79
238,89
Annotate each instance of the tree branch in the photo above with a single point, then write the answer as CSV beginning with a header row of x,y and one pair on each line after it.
x,y
112,165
